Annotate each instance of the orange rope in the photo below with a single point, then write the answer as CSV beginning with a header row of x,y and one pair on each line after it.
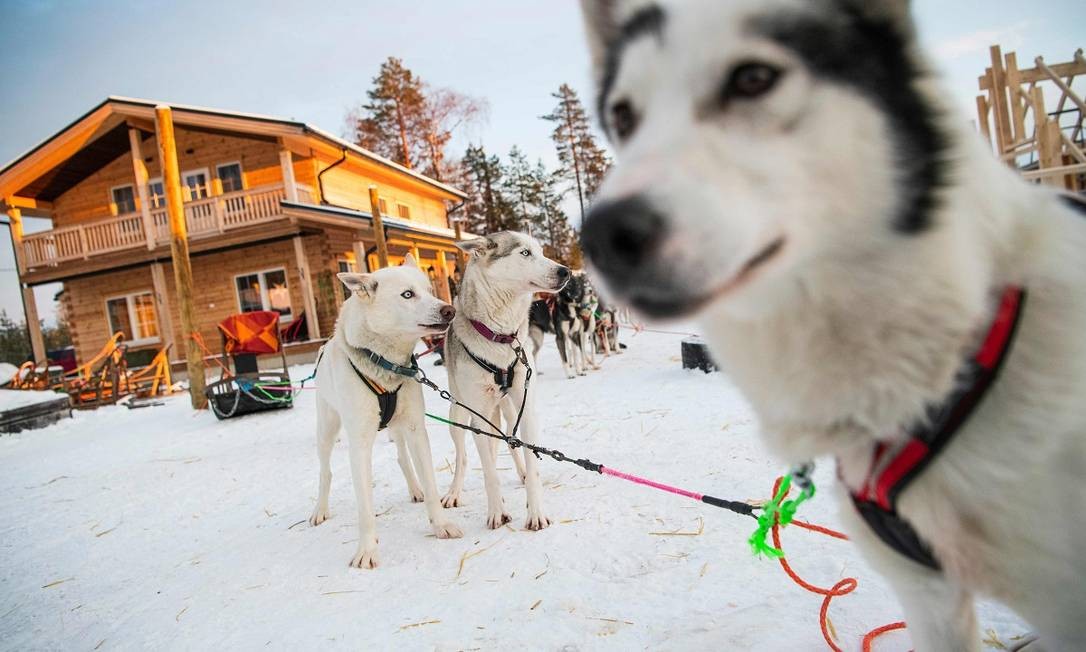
x,y
199,339
843,587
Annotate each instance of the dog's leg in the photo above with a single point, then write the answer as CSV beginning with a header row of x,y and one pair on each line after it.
x,y
518,462
419,442
529,433
452,497
404,461
588,342
577,337
327,429
361,448
495,508
563,341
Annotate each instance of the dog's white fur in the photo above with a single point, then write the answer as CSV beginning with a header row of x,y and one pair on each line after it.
x,y
378,316
503,272
843,338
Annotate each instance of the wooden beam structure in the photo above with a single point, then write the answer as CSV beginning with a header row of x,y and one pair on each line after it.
x,y
312,324
139,169
179,252
33,324
162,306
378,228
290,186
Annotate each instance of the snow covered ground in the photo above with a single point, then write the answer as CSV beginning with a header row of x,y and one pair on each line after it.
x,y
161,528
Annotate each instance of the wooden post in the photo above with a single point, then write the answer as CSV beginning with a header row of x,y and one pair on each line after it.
x,y
162,306
313,329
443,278
16,217
999,103
982,118
289,184
179,252
1014,89
359,247
139,169
461,258
37,342
1051,155
378,228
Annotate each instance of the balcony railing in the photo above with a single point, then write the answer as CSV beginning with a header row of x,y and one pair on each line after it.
x,y
204,218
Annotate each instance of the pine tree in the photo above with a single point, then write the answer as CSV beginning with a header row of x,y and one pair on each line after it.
x,y
584,162
389,122
488,209
522,191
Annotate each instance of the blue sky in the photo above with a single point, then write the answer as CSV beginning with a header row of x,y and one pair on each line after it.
x,y
313,61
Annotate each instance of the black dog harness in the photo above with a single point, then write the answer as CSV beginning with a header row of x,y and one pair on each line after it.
x,y
893,468
503,378
386,400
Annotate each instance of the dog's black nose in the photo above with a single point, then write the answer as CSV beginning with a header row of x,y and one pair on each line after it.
x,y
621,235
447,312
563,273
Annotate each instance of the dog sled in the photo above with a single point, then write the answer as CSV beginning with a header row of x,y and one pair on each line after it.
x,y
243,388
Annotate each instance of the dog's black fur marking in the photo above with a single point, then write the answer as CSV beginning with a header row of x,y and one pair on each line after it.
x,y
872,54
648,20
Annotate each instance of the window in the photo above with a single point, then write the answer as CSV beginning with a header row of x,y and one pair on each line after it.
x,y
156,193
197,183
134,315
230,176
382,205
404,211
266,290
124,199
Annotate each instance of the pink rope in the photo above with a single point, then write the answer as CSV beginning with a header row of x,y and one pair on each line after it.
x,y
649,483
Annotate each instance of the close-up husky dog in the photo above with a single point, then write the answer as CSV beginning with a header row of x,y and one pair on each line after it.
x,y
790,173
504,270
363,386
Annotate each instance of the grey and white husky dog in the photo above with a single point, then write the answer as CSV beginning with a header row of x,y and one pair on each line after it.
x,y
504,270
790,173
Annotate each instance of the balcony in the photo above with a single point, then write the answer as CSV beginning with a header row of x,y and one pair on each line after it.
x,y
205,218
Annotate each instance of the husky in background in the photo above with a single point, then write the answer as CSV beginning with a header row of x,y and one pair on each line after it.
x,y
382,321
540,322
504,271
844,239
569,328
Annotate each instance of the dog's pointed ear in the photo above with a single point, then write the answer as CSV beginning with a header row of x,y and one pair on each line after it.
x,y
477,247
361,284
409,261
601,28
897,12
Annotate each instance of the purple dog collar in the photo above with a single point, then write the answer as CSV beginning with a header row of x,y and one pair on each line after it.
x,y
485,331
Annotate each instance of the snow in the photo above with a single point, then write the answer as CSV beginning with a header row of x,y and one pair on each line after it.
x,y
164,528
11,399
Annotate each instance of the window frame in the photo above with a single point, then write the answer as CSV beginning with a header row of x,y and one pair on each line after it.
x,y
117,212
241,175
133,320
186,191
382,205
265,300
151,195
402,208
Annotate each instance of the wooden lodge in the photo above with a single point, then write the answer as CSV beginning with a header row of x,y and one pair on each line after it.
x,y
274,209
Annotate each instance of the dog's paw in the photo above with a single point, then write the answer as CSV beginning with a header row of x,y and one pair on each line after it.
x,y
451,500
417,496
495,521
319,516
365,558
536,522
447,530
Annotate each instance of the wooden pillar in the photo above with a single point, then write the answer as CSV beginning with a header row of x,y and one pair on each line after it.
x,y
982,118
1014,90
313,329
179,252
461,258
359,247
162,307
999,100
378,228
286,162
15,216
416,254
139,169
33,324
443,278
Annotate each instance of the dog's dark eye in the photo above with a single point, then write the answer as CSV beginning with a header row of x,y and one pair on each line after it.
x,y
750,80
407,294
623,119
525,252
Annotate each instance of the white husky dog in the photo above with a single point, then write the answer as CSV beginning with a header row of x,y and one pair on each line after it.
x,y
789,171
503,272
363,384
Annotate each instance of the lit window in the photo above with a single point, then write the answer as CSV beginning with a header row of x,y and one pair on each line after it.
x,y
404,211
156,193
124,198
382,205
230,176
265,291
134,315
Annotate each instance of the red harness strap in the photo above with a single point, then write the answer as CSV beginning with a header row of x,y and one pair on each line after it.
x,y
893,470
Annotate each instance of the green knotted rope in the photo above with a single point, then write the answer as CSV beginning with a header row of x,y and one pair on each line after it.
x,y
780,511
